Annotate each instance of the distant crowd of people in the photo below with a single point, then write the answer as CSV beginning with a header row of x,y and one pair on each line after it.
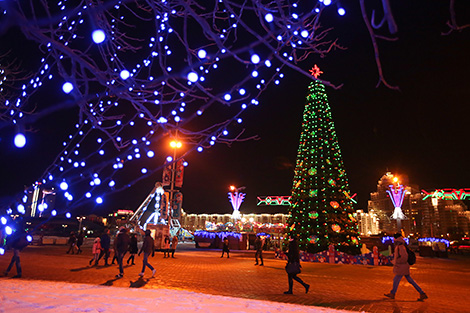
x,y
123,244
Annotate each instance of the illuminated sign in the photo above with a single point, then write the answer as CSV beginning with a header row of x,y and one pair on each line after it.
x,y
448,194
274,200
285,200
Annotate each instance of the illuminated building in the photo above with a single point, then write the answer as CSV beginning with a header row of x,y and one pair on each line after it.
x,y
367,223
428,214
194,222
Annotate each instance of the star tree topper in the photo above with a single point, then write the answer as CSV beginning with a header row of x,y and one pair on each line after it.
x,y
315,71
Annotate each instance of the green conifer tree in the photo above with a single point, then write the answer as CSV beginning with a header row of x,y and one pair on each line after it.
x,y
321,207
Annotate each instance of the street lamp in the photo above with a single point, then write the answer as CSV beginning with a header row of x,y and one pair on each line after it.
x,y
80,219
175,144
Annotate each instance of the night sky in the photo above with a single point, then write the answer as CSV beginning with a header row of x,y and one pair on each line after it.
x,y
421,131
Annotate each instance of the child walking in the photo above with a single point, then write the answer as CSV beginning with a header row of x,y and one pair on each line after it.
x,y
96,250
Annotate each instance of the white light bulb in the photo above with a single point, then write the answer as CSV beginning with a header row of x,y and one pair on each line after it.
x,y
67,87
268,18
98,36
125,74
202,54
193,77
20,140
63,185
255,59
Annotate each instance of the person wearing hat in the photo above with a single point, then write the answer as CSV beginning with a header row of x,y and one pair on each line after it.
x,y
147,247
402,268
121,246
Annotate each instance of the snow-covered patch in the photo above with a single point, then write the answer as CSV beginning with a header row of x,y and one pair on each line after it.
x,y
22,296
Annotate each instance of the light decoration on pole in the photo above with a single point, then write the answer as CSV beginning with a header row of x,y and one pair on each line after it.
x,y
397,194
154,217
236,198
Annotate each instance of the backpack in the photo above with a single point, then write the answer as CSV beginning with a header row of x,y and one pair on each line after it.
x,y
411,256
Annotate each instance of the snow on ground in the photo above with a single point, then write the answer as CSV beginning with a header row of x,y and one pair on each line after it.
x,y
23,296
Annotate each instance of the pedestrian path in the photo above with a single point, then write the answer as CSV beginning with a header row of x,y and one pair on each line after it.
x,y
344,287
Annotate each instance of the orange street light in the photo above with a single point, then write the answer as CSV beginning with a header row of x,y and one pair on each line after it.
x,y
176,144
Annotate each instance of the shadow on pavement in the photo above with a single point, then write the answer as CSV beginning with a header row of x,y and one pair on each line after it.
x,y
109,282
141,282
272,267
81,269
350,303
423,307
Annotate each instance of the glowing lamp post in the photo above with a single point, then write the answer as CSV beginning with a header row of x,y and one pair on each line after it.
x,y
175,144
397,194
236,198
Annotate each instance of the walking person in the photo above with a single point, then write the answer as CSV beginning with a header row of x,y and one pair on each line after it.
x,y
17,242
72,242
96,251
105,245
148,247
259,243
133,249
174,243
402,268
79,242
225,248
114,258
166,247
293,266
121,246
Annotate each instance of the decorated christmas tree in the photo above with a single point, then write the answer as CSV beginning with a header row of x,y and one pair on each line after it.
x,y
321,209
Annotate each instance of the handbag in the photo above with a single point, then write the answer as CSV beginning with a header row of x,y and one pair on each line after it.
x,y
293,268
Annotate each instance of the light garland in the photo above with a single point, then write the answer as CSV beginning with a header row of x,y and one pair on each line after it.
x,y
321,208
140,70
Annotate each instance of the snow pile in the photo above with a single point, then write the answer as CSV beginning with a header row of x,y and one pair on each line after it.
x,y
41,296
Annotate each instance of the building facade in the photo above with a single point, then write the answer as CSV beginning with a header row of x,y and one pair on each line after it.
x,y
367,222
193,222
424,216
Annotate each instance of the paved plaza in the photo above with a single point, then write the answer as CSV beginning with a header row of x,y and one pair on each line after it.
x,y
346,287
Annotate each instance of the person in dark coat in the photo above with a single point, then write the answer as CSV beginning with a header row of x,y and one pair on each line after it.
x,y
79,242
121,246
133,249
72,242
105,245
293,256
148,247
225,248
17,242
174,244
259,243
166,247
402,268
